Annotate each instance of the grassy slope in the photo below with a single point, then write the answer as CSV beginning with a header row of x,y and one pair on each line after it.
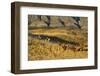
x,y
43,49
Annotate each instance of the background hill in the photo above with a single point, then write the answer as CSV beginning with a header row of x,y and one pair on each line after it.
x,y
34,21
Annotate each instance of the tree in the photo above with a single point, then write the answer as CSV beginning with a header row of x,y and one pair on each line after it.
x,y
39,17
62,22
48,21
77,19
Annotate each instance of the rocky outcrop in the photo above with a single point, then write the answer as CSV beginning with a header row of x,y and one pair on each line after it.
x,y
56,21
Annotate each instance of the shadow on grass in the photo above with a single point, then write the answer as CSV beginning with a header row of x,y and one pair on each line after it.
x,y
52,39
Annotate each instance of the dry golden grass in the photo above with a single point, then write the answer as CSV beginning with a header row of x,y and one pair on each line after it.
x,y
44,50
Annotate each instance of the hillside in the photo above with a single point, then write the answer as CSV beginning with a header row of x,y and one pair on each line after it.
x,y
57,41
